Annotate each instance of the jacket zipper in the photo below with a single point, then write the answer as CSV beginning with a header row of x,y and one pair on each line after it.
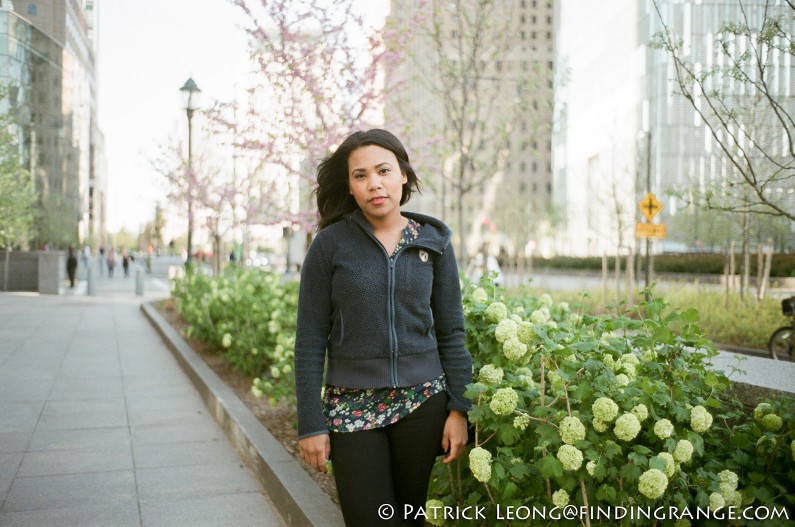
x,y
393,340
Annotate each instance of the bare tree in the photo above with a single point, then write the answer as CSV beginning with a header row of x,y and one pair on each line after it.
x,y
750,119
481,99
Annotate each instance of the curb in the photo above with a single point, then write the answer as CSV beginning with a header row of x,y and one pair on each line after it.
x,y
299,500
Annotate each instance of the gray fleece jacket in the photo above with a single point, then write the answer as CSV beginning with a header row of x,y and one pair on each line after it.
x,y
376,322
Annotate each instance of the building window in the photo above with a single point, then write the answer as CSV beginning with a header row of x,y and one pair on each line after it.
x,y
32,9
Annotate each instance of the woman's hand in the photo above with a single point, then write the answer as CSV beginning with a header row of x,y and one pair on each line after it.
x,y
454,438
315,450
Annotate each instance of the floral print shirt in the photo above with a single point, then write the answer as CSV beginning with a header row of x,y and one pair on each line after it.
x,y
355,409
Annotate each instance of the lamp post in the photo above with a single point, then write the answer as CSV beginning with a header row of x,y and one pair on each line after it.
x,y
190,96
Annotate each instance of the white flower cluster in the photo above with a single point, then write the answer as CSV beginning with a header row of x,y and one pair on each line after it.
x,y
490,375
700,419
652,483
570,457
555,380
604,409
480,295
546,300
480,464
627,427
763,414
663,429
524,378
226,340
541,316
571,430
434,510
670,464
590,467
560,498
506,329
496,312
514,349
728,489
683,451
504,401
526,335
641,412
521,422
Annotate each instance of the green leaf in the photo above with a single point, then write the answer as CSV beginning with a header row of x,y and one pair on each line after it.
x,y
550,467
508,434
612,449
606,493
657,463
510,490
519,470
661,398
711,380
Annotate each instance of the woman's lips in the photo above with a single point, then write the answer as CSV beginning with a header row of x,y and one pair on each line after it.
x,y
378,200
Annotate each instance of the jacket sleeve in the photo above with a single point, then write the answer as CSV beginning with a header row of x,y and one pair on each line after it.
x,y
448,316
312,330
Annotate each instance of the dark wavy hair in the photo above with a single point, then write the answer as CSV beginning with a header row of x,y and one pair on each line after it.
x,y
334,200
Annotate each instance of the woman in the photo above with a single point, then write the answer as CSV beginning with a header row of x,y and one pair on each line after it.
x,y
380,306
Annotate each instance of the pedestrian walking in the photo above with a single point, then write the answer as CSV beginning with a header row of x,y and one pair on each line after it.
x,y
125,263
102,261
380,306
111,262
71,267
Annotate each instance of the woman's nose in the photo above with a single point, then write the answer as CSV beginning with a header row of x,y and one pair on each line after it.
x,y
373,181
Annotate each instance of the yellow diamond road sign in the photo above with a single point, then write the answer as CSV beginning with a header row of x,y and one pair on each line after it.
x,y
649,206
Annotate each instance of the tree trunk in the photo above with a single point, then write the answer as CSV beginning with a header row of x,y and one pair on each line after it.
x,y
768,265
5,267
462,255
746,254
732,267
727,275
217,254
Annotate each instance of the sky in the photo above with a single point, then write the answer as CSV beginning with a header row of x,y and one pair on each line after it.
x,y
146,51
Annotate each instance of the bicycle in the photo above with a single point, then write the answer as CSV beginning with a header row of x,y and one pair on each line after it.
x,y
782,343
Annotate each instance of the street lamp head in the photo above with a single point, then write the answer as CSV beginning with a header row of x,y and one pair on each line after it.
x,y
190,94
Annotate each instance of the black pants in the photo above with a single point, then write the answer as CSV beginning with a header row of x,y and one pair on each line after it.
x,y
388,469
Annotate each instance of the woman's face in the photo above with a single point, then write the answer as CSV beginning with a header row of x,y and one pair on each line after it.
x,y
376,182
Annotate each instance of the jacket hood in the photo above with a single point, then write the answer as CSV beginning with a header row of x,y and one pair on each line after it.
x,y
435,235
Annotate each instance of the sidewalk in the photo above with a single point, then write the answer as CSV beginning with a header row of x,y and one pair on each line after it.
x,y
99,426
757,371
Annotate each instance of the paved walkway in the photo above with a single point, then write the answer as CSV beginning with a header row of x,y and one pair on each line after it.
x,y
757,371
99,426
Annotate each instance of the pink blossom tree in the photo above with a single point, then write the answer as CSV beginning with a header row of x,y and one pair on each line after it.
x,y
320,76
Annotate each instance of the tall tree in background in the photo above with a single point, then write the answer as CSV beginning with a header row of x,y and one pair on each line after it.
x,y
483,94
748,112
17,197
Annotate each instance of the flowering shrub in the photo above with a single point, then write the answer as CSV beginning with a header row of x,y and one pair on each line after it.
x,y
621,409
249,316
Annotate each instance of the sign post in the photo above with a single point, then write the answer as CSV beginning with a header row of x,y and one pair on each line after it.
x,y
649,206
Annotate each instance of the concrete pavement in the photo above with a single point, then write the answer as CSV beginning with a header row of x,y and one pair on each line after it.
x,y
756,371
99,426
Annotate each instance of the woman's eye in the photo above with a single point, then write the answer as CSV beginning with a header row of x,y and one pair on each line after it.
x,y
384,170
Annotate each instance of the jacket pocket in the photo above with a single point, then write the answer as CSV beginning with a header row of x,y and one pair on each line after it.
x,y
337,327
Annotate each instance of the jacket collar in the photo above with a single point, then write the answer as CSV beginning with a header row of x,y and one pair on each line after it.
x,y
434,235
